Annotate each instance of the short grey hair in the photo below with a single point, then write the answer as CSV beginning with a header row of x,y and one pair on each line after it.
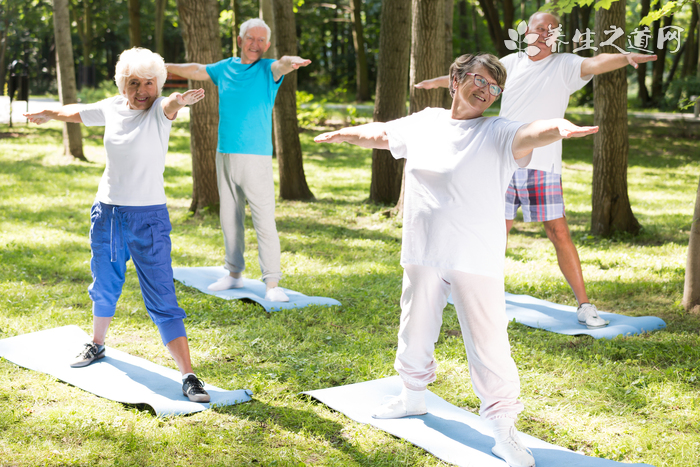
x,y
466,63
142,63
254,23
537,13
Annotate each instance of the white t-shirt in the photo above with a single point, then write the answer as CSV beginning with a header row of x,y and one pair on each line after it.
x,y
540,91
136,142
457,173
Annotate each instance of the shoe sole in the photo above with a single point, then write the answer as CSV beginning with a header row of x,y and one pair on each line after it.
x,y
590,326
86,362
200,398
493,450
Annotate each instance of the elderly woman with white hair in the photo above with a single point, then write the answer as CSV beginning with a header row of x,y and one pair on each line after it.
x,y
458,166
129,218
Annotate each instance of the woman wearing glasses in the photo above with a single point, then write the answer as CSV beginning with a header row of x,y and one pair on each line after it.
x,y
458,166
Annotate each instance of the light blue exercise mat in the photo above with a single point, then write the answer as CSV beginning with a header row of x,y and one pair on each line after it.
x,y
118,376
562,319
447,432
203,277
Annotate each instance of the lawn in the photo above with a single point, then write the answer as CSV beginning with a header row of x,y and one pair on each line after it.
x,y
634,399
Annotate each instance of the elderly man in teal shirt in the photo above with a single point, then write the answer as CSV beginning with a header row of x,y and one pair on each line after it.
x,y
247,90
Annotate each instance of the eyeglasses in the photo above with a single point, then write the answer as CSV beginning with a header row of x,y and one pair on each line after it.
x,y
494,89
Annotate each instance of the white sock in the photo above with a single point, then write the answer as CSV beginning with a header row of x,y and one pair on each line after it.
x,y
412,398
184,377
501,428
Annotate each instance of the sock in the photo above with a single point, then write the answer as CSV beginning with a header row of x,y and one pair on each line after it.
x,y
184,377
501,428
412,398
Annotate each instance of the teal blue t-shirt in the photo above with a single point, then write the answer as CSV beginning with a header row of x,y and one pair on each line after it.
x,y
246,96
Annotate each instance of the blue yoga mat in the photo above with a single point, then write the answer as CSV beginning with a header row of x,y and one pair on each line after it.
x,y
118,376
447,432
562,319
203,277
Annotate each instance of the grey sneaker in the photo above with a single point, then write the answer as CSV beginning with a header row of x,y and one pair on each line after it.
x,y
90,353
193,388
513,451
588,316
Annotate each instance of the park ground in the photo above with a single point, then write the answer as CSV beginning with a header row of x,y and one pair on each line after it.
x,y
631,399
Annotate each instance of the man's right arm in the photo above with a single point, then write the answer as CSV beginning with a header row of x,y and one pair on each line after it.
x,y
193,71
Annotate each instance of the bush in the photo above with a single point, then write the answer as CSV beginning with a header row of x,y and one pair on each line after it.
x,y
310,113
680,91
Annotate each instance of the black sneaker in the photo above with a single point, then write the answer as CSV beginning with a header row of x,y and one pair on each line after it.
x,y
193,389
90,353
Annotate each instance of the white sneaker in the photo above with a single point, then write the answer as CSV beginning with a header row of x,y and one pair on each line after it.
x,y
513,451
397,408
276,294
225,283
588,316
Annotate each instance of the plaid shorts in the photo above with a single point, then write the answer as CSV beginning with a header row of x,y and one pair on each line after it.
x,y
538,192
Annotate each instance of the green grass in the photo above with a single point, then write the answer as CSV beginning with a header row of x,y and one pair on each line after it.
x,y
633,399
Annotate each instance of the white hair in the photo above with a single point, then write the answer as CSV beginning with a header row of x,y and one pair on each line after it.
x,y
142,63
254,23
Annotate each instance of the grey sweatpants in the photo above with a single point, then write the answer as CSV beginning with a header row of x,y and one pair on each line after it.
x,y
241,177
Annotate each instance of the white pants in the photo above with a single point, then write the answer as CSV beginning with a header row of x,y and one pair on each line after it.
x,y
241,177
480,304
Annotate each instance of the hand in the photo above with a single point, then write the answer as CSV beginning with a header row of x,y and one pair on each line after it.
x,y
569,130
296,62
635,59
38,117
426,84
190,97
330,137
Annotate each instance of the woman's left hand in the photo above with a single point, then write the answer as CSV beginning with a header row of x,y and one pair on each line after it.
x,y
190,97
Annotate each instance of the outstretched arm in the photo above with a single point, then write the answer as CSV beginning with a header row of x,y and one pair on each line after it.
x,y
544,132
176,101
608,62
439,82
371,135
68,113
194,71
287,64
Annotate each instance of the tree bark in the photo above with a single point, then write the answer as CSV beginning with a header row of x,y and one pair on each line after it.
x,y
160,23
643,93
449,18
657,73
691,288
358,39
691,51
611,209
7,13
390,96
267,14
497,33
290,163
236,24
199,21
65,71
135,23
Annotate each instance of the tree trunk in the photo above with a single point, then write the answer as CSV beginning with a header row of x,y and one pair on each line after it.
x,y
267,14
135,23
449,17
293,184
643,93
65,71
390,96
199,21
691,288
657,74
691,51
358,39
7,12
498,34
427,51
160,23
611,209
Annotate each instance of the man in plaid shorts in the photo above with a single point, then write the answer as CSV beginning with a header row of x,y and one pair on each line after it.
x,y
538,88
